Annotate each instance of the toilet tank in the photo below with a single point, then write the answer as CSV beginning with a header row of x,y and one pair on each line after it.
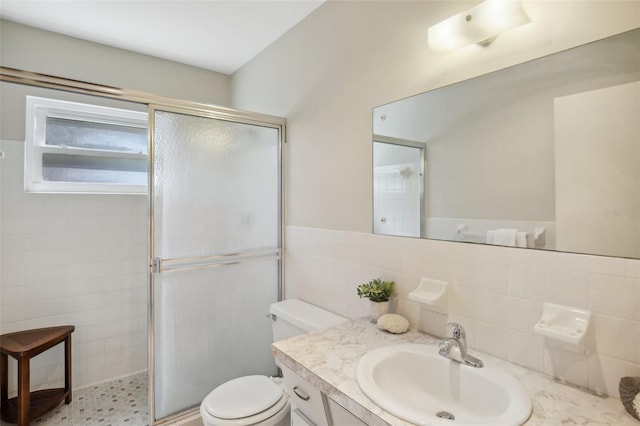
x,y
293,317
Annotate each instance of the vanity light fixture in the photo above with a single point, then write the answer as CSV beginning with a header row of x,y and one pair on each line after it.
x,y
480,24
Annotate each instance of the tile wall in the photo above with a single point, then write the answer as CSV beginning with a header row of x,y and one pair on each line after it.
x,y
497,294
74,259
396,208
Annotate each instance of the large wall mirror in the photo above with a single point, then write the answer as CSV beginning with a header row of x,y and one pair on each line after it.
x,y
545,155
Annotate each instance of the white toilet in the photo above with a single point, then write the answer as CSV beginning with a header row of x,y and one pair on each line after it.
x,y
257,400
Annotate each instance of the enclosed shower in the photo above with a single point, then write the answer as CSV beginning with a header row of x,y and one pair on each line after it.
x,y
215,210
168,287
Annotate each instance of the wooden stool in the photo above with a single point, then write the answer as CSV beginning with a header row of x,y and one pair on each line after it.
x,y
24,345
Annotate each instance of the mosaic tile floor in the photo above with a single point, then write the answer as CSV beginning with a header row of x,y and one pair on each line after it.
x,y
115,403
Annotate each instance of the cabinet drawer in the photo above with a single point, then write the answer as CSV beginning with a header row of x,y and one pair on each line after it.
x,y
305,397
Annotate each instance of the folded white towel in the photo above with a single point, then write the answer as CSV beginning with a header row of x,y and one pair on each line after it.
x,y
505,237
490,236
521,239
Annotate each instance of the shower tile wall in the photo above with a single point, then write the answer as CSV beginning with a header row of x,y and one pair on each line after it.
x,y
496,294
74,259
396,208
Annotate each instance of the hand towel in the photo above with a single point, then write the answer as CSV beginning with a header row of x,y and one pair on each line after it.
x,y
521,239
505,237
490,236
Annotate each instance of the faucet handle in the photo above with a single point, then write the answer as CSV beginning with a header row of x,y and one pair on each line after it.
x,y
457,330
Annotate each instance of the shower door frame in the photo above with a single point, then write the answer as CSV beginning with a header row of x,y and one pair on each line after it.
x,y
156,102
243,118
423,170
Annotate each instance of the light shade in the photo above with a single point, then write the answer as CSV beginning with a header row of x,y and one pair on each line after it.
x,y
480,24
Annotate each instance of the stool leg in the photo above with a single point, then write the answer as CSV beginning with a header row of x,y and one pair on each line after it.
x,y
24,396
4,379
67,369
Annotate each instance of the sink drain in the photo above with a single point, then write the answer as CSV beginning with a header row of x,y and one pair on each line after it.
x,y
445,415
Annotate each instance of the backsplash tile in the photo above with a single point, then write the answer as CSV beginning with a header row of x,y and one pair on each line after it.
x,y
567,287
566,365
496,293
615,337
615,295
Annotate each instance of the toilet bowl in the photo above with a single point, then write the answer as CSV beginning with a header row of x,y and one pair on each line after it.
x,y
248,400
257,400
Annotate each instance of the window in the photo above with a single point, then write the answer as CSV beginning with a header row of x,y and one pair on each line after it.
x,y
75,147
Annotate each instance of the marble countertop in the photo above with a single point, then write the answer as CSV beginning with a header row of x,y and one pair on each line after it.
x,y
328,360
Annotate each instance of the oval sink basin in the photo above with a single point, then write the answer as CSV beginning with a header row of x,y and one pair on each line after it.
x,y
415,383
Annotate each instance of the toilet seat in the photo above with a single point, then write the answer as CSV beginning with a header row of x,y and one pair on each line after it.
x,y
244,401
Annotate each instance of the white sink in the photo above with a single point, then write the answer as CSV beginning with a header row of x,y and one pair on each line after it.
x,y
415,383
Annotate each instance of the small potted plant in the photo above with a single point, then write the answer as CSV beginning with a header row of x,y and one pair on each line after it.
x,y
378,292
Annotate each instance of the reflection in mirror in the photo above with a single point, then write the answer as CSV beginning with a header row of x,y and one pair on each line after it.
x,y
545,154
398,187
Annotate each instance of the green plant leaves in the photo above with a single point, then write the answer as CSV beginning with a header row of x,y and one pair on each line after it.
x,y
377,290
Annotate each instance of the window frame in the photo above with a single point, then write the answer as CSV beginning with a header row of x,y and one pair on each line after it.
x,y
39,109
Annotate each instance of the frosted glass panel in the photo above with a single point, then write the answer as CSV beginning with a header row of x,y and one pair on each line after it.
x,y
90,169
216,191
95,135
216,186
210,327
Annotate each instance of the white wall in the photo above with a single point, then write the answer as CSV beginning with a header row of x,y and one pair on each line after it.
x,y
597,175
326,75
30,49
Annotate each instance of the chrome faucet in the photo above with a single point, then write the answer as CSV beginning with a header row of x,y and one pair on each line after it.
x,y
455,348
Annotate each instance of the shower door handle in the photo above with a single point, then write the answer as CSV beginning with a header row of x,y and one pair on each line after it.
x,y
187,263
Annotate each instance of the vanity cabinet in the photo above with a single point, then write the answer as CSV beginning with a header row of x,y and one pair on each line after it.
x,y
305,399
310,407
341,417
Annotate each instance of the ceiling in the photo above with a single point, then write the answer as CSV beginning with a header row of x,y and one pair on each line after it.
x,y
219,35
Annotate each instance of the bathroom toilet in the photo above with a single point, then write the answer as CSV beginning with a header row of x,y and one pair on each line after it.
x,y
258,400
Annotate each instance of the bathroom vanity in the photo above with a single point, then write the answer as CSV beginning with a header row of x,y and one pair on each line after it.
x,y
325,362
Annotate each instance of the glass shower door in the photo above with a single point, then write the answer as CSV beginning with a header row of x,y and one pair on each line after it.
x,y
216,253
398,187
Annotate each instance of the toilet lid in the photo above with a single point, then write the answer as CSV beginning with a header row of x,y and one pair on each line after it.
x,y
242,397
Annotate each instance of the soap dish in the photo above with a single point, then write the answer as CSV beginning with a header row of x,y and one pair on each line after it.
x,y
433,294
563,323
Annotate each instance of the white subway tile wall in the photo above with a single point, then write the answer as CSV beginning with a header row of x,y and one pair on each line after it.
x,y
396,201
497,294
73,259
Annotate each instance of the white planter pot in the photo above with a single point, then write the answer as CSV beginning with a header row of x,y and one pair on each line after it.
x,y
376,309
